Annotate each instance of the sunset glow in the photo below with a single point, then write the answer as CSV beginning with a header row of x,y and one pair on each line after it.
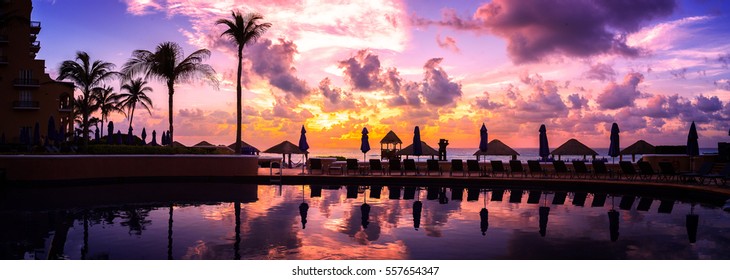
x,y
447,67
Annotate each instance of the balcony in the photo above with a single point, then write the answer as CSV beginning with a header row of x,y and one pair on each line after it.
x,y
34,83
26,105
35,27
35,47
33,37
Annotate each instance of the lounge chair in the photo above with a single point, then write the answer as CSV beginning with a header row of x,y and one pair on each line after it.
x,y
600,169
646,172
705,169
497,195
559,198
352,165
561,168
627,170
352,191
580,169
457,165
599,199
472,165
626,202
498,167
376,166
394,165
723,175
315,164
433,165
536,168
515,196
579,199
533,197
394,192
667,171
472,194
666,206
644,204
409,165
457,193
515,166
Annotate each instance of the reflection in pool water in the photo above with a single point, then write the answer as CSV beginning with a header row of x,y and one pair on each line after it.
x,y
362,222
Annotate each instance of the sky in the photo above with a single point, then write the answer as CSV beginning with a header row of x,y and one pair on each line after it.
x,y
334,67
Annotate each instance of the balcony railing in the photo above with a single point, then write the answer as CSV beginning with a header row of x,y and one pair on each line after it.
x,y
35,27
26,105
26,83
35,46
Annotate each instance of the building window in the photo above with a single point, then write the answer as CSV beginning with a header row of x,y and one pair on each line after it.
x,y
65,102
26,75
25,96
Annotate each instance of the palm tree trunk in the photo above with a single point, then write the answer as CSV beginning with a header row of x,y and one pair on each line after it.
x,y
170,93
101,132
239,100
131,117
85,122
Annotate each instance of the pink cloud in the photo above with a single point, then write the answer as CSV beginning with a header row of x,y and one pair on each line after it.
x,y
616,96
448,43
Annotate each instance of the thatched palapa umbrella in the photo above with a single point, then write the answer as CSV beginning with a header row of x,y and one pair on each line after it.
x,y
426,150
575,148
245,147
641,147
390,139
497,148
284,148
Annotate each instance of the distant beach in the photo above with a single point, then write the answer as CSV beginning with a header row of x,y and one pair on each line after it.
x,y
458,153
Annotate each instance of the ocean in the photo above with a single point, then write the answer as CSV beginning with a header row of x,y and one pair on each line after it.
x,y
458,153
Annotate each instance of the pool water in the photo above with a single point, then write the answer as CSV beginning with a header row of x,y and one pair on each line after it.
x,y
360,222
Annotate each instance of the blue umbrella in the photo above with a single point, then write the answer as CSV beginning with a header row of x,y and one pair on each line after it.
x,y
613,148
483,139
303,145
97,136
544,149
693,147
417,148
130,137
154,138
119,137
365,143
144,135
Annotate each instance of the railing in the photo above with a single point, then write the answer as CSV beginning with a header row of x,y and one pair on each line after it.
x,y
35,46
26,105
35,26
26,83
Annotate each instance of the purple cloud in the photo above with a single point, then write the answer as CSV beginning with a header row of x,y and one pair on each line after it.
x,y
362,71
708,104
616,96
577,101
600,72
276,63
448,43
484,102
335,98
438,89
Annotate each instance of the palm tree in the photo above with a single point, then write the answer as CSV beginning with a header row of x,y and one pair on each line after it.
x,y
242,30
108,102
168,64
86,75
136,94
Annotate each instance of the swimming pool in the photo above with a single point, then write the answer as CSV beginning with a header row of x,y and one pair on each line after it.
x,y
230,221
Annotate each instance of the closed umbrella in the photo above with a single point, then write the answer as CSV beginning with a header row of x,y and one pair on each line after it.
x,y
417,207
613,216
483,140
693,148
417,148
544,212
484,220
97,134
691,223
613,148
154,138
365,143
544,149
130,137
303,146
119,137
144,136
110,133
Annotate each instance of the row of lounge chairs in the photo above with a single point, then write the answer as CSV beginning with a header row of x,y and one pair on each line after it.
x,y
560,169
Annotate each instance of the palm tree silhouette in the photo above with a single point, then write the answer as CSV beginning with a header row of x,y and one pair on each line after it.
x,y
108,102
86,75
136,94
168,64
242,30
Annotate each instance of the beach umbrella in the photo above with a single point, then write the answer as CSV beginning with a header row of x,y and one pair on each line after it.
x,y
163,141
365,143
119,137
613,224
144,135
130,137
544,211
417,207
483,140
365,211
97,135
51,130
691,223
693,148
303,208
37,134
417,148
303,146
484,220
544,149
613,148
